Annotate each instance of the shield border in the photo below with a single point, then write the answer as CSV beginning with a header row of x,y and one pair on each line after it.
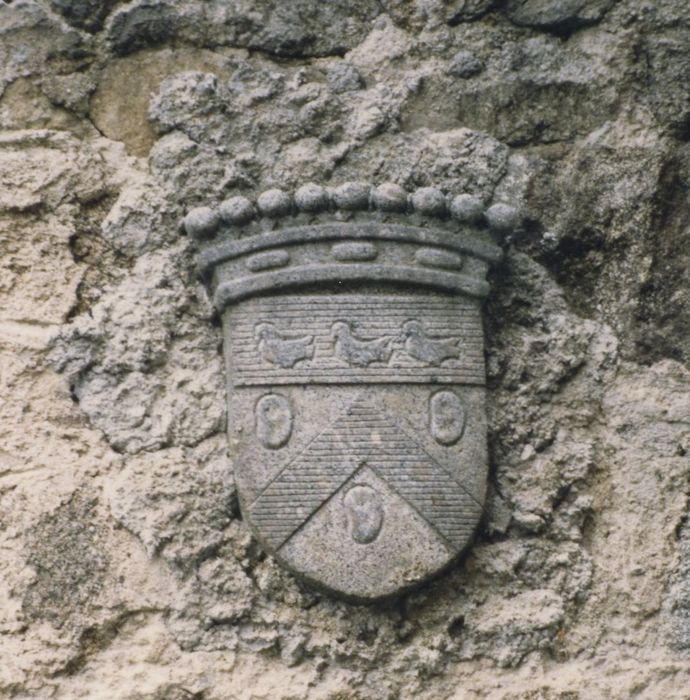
x,y
310,251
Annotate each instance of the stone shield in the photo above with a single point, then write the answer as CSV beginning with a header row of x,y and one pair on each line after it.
x,y
355,366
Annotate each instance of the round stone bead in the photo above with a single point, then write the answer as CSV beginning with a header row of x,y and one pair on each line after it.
x,y
274,203
429,200
467,208
201,222
502,217
389,197
352,195
311,198
236,210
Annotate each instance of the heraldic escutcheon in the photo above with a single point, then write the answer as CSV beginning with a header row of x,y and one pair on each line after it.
x,y
355,367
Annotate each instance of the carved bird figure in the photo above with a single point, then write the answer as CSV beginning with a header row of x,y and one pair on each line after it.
x,y
360,352
428,349
278,350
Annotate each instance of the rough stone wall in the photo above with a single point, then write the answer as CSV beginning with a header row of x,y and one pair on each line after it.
x,y
125,569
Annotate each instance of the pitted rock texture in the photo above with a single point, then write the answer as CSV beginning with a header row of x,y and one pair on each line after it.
x,y
561,16
127,572
281,27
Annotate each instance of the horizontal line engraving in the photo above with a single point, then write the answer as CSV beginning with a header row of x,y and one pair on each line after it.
x,y
356,300
382,381
316,302
383,371
321,325
345,371
356,378
393,373
311,477
329,364
451,315
421,381
323,336
312,316
322,328
353,377
357,339
391,321
332,375
467,363
467,339
317,299
447,311
462,352
336,364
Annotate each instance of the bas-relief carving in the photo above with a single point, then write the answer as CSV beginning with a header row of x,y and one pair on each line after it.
x,y
354,349
273,420
446,417
364,506
404,338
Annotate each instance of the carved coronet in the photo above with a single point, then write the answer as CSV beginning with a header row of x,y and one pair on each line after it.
x,y
354,351
346,252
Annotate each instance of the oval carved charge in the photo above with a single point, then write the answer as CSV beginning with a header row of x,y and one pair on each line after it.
x,y
435,257
268,260
446,417
354,251
364,513
273,421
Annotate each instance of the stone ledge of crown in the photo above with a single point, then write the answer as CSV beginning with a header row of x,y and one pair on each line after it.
x,y
349,198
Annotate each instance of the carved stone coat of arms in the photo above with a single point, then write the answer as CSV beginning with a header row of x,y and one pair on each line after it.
x,y
355,367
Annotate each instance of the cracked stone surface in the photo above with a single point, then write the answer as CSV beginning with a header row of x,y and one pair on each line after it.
x,y
127,571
